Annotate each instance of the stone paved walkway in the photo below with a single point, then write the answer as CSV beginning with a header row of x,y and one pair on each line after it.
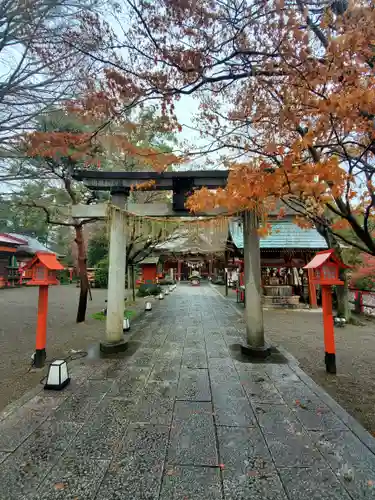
x,y
183,417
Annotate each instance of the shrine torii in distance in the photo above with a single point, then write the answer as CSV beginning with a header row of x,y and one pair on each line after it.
x,y
181,184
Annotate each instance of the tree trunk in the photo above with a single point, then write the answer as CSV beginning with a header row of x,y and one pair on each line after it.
x,y
342,292
82,270
133,283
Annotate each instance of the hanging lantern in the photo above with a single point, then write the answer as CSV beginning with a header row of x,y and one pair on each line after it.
x,y
126,325
148,306
58,375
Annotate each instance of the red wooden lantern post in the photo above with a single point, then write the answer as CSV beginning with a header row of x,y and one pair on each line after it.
x,y
43,267
324,271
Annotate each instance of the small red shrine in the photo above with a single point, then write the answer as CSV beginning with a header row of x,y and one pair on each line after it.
x,y
43,269
324,269
149,267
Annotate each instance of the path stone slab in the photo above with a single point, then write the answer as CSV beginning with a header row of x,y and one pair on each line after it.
x,y
156,341
26,468
281,373
166,372
131,384
261,390
243,449
222,371
136,471
22,422
253,485
193,483
288,442
192,440
230,389
194,385
293,391
143,357
155,405
177,335
102,434
318,417
234,412
76,409
73,477
194,357
94,388
352,462
170,350
217,350
313,484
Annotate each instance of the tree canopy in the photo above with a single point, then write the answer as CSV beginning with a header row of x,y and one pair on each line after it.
x,y
285,87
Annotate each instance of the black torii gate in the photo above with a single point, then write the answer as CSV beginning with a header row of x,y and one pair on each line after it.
x,y
182,184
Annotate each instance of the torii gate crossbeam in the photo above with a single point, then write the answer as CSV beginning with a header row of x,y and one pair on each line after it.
x,y
181,184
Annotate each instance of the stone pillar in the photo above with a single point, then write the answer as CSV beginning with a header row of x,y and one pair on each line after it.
x,y
114,341
253,298
179,270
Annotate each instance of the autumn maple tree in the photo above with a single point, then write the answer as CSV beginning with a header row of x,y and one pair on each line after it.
x,y
286,94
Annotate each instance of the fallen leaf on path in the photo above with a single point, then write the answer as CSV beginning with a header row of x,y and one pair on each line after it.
x,y
60,486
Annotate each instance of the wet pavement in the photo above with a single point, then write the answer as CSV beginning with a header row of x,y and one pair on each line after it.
x,y
182,416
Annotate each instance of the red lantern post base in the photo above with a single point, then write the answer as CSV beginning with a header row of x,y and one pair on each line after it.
x,y
330,361
39,358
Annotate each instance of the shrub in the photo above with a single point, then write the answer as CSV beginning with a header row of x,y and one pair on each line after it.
x,y
363,278
101,273
149,289
166,281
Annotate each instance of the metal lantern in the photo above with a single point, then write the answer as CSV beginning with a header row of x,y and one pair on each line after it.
x,y
148,306
126,325
58,375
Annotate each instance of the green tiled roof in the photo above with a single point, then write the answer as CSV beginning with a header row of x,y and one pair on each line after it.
x,y
285,234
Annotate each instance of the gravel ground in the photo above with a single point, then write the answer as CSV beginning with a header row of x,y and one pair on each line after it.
x,y
17,333
301,333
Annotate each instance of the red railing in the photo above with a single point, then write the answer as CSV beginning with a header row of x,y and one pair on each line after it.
x,y
362,301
